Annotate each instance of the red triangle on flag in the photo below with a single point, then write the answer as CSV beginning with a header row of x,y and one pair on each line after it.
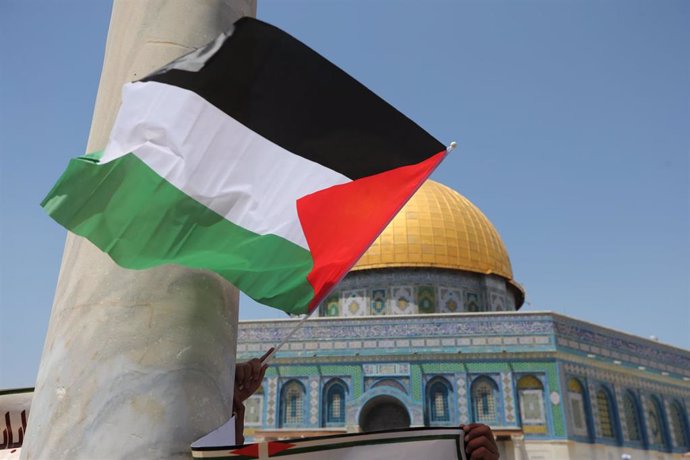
x,y
340,222
254,451
251,450
277,446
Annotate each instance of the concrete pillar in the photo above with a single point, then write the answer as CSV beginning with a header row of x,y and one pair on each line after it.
x,y
136,364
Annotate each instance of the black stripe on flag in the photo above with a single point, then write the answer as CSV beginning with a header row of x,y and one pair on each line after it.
x,y
286,92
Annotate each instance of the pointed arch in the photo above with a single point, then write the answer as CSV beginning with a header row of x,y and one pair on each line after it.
x,y
292,406
384,412
679,426
631,414
531,401
334,401
577,404
438,392
484,394
655,420
605,413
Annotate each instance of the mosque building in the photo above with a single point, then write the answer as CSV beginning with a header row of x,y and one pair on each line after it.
x,y
425,331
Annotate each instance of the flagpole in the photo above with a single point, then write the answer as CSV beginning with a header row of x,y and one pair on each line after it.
x,y
136,364
276,348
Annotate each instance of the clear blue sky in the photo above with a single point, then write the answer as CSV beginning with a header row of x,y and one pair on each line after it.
x,y
572,118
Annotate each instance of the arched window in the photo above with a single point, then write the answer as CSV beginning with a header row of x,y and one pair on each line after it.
x,y
531,398
437,395
605,413
484,392
253,408
679,426
334,395
576,399
656,422
292,404
631,412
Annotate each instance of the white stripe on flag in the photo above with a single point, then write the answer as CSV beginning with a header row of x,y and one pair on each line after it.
x,y
216,160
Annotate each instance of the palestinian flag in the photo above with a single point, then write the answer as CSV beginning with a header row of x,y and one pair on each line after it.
x,y
253,157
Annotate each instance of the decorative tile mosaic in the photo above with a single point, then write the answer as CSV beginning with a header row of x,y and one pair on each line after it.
x,y
463,413
426,299
557,419
378,302
386,369
450,300
355,303
644,402
391,326
625,345
331,306
443,367
402,300
350,374
626,380
526,333
619,403
508,397
497,302
314,400
595,409
416,380
472,301
653,417
400,384
672,430
271,403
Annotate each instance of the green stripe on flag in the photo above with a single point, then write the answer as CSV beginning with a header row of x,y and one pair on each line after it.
x,y
142,221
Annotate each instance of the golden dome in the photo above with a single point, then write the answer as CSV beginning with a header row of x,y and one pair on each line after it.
x,y
440,228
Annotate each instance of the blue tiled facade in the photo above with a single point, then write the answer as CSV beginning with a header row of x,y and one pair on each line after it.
x,y
537,375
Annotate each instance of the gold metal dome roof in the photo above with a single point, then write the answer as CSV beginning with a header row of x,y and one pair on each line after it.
x,y
440,228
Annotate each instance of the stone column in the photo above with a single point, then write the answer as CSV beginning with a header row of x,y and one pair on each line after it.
x,y
136,364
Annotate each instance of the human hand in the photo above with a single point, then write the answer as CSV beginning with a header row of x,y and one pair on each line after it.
x,y
249,375
479,442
